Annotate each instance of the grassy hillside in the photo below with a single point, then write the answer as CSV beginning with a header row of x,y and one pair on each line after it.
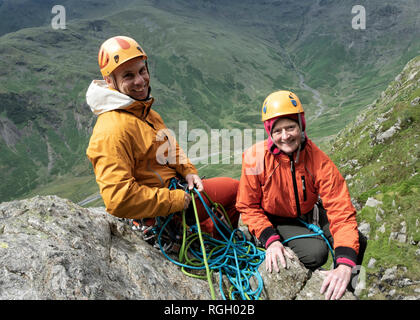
x,y
379,153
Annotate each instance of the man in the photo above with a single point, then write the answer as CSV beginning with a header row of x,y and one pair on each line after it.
x,y
126,145
282,180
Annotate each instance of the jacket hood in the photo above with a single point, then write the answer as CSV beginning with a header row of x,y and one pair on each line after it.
x,y
101,98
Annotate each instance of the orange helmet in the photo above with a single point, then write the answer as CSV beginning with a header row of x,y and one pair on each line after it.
x,y
280,103
117,50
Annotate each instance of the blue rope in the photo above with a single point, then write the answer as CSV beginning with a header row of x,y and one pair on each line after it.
x,y
234,256
317,232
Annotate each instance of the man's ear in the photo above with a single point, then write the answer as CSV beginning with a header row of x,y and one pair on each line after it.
x,y
109,81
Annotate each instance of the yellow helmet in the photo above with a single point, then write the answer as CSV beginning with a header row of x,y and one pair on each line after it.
x,y
117,50
280,103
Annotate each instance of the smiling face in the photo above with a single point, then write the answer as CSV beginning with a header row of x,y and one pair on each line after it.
x,y
131,78
286,135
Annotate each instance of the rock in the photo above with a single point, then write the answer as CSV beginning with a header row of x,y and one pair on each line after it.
x,y
415,101
364,227
372,202
393,236
311,291
401,237
381,137
390,274
244,229
382,228
286,284
70,252
405,282
371,263
403,227
51,248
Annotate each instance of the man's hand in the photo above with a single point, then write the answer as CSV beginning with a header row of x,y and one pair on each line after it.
x,y
194,180
336,281
275,252
187,200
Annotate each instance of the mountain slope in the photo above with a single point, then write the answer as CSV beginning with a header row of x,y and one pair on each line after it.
x,y
379,153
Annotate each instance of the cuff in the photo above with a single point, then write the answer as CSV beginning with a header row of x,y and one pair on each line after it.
x,y
271,240
186,169
345,255
346,262
177,199
266,235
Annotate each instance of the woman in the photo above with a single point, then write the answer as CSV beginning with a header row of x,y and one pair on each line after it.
x,y
282,179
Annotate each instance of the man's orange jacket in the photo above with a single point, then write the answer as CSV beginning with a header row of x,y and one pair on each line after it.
x,y
134,156
266,186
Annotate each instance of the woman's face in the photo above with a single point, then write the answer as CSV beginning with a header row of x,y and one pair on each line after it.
x,y
286,135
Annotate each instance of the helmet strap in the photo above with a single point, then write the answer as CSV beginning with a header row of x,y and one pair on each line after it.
x,y
300,125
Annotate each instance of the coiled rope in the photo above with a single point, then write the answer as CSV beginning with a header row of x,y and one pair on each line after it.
x,y
233,256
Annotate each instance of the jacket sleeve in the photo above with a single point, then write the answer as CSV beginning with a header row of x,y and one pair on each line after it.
x,y
183,166
176,157
113,164
340,211
248,201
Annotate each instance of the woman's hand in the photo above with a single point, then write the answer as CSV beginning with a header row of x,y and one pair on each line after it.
x,y
276,251
336,281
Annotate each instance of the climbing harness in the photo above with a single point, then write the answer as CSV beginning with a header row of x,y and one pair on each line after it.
x,y
150,228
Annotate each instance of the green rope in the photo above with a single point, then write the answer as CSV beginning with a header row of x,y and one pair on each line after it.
x,y
203,250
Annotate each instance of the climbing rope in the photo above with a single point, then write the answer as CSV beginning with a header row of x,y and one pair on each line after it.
x,y
232,256
317,232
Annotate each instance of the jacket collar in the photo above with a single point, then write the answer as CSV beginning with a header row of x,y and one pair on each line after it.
x,y
101,99
141,108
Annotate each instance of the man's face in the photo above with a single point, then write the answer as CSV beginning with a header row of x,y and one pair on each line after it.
x,y
131,78
286,135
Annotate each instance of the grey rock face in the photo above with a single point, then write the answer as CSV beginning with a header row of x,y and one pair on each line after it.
x,y
51,248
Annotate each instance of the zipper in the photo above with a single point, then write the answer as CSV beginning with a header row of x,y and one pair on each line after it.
x,y
303,187
295,189
156,173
